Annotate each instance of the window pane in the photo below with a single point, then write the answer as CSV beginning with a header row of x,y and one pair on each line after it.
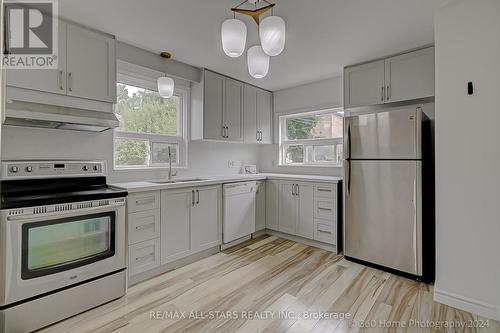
x,y
322,126
294,154
159,152
131,152
144,111
324,154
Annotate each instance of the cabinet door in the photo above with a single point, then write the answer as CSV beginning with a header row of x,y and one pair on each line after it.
x,y
364,84
233,110
264,115
272,199
213,105
91,64
305,217
175,224
260,206
410,76
205,218
48,80
287,211
250,113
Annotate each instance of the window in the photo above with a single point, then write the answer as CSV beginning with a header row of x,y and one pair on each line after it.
x,y
311,138
150,126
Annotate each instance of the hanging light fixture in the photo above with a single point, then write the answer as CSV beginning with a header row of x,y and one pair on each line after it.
x,y
166,86
272,35
271,32
234,37
258,62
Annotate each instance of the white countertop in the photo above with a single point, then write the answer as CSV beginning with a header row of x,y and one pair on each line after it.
x,y
142,186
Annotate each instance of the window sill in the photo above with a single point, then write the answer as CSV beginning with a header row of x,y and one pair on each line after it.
x,y
152,168
310,165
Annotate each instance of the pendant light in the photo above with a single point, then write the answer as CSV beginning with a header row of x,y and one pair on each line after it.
x,y
234,37
272,35
165,86
258,62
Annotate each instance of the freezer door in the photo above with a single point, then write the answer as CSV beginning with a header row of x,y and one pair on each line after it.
x,y
383,213
384,135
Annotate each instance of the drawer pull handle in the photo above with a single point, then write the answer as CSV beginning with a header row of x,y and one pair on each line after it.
x,y
324,190
326,232
144,257
328,209
145,201
144,226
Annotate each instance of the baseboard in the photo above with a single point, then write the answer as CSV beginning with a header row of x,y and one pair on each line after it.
x,y
483,309
235,242
135,279
306,241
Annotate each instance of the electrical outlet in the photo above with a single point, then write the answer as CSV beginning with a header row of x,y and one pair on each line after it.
x,y
229,163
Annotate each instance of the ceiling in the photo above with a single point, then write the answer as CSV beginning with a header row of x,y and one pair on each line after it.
x,y
322,37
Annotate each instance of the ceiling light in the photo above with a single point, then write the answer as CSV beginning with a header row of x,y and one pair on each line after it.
x,y
165,86
272,35
234,37
258,62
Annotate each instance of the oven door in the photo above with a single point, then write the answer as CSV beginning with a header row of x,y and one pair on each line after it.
x,y
44,252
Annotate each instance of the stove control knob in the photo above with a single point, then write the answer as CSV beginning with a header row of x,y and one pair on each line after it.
x,y
85,168
14,169
29,168
96,168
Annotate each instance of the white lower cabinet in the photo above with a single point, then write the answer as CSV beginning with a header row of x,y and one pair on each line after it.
x,y
304,209
143,256
260,206
190,221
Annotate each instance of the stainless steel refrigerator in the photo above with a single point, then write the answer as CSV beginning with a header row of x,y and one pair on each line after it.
x,y
389,200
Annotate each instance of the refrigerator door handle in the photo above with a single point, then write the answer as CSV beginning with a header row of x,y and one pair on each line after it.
x,y
415,227
348,139
348,176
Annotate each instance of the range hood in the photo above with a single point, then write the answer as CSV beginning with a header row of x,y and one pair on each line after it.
x,y
20,113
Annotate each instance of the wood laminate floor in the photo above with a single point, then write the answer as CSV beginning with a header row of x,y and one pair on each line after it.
x,y
270,284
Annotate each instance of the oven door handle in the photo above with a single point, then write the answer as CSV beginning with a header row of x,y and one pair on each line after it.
x,y
63,214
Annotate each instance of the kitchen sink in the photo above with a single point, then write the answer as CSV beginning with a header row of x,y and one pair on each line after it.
x,y
173,181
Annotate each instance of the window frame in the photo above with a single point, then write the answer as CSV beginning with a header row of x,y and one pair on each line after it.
x,y
148,80
284,142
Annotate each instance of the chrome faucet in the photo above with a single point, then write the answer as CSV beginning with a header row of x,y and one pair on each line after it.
x,y
169,164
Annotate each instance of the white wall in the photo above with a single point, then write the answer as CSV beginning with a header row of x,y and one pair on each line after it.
x,y
204,158
467,36
320,95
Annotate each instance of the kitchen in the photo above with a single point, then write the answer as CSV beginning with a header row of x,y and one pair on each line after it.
x,y
168,167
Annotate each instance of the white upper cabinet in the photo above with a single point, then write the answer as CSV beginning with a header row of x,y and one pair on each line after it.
x,y
91,64
404,77
46,80
229,110
364,84
213,101
410,76
264,116
257,106
233,110
86,67
250,113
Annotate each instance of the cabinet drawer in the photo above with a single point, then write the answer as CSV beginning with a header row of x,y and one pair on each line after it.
x,y
324,233
325,209
143,226
325,191
143,256
138,202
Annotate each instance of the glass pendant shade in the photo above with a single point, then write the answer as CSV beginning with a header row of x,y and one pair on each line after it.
x,y
272,35
165,86
234,37
258,62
